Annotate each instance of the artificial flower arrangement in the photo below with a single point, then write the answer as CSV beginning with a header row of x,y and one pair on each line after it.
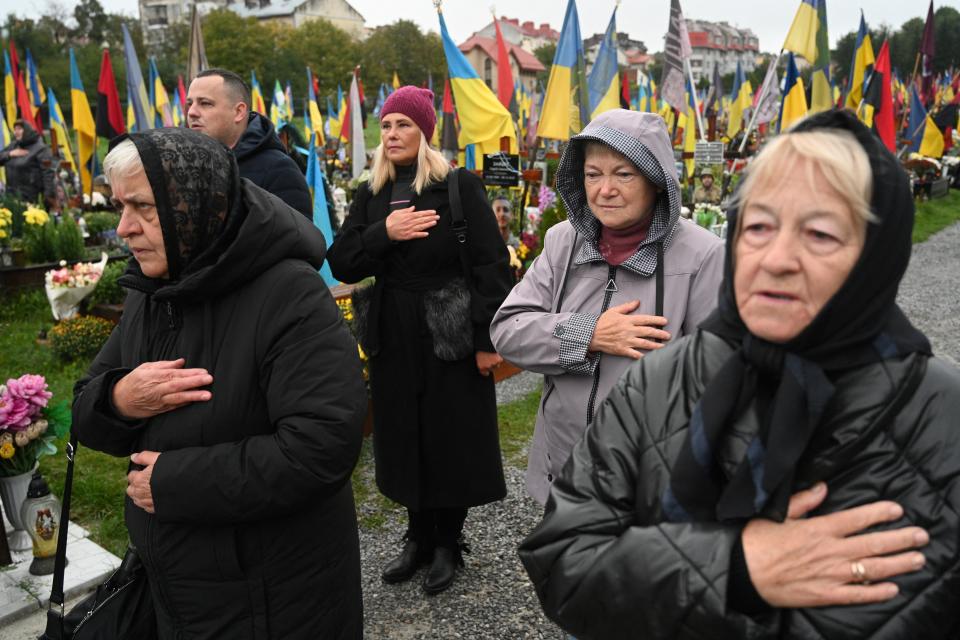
x,y
711,217
346,309
6,221
28,423
67,286
36,216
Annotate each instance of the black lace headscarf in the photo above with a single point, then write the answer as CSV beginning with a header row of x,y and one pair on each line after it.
x,y
195,182
860,324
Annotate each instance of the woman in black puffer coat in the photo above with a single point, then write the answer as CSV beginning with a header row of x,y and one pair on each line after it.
x,y
792,469
235,384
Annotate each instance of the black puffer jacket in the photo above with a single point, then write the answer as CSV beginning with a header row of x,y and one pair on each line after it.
x,y
255,533
31,175
264,162
606,563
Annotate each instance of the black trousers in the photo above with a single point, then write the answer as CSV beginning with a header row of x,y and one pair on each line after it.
x,y
437,527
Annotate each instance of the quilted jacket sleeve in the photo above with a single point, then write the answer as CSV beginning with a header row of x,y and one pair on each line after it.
x,y
602,564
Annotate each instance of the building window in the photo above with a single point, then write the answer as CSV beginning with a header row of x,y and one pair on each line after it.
x,y
488,72
156,15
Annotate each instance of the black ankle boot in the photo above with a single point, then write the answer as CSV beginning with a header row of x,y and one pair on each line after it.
x,y
402,568
443,569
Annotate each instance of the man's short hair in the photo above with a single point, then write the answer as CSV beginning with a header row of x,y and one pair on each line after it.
x,y
234,84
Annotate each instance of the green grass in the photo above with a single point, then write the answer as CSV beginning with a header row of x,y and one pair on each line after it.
x,y
99,479
516,428
934,215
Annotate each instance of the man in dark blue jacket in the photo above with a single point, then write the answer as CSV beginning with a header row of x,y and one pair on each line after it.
x,y
218,105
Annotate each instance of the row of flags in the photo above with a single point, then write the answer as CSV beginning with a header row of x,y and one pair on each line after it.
x,y
476,118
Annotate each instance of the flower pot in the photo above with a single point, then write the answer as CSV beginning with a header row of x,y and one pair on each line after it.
x,y
13,491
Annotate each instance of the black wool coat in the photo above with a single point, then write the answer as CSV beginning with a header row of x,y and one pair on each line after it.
x,y
264,162
255,532
435,421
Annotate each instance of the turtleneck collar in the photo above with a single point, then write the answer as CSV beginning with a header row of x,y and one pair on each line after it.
x,y
616,245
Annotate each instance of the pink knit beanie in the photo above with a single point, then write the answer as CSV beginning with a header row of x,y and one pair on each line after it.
x,y
416,104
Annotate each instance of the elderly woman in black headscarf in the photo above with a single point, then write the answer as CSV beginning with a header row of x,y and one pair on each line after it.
x,y
236,387
790,470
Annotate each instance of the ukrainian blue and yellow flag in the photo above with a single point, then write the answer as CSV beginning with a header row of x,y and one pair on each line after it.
x,y
159,99
794,105
860,66
59,125
808,38
9,90
256,95
34,87
333,121
313,111
567,84
83,124
690,130
483,119
740,100
139,100
604,81
341,113
321,212
924,135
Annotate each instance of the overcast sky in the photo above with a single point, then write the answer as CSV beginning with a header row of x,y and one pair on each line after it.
x,y
645,20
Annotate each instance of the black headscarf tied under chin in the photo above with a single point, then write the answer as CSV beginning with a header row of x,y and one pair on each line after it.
x,y
195,184
790,382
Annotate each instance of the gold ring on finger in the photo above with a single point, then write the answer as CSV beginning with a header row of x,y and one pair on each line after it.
x,y
859,572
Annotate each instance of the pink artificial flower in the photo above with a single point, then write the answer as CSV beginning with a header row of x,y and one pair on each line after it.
x,y
31,388
15,413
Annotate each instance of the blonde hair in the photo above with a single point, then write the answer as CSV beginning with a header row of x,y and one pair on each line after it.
x,y
834,153
431,167
122,161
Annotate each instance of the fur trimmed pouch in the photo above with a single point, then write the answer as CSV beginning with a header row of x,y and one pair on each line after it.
x,y
449,318
361,299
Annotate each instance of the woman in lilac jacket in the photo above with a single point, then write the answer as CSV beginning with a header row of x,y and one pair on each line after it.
x,y
622,276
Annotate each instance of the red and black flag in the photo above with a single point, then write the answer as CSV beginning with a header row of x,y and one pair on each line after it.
x,y
625,91
448,135
110,122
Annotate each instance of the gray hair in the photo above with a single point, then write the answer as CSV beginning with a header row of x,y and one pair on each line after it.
x,y
122,161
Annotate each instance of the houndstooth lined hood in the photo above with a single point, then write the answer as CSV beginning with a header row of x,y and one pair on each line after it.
x,y
643,138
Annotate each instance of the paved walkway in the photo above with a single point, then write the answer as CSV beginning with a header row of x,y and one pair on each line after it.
x,y
493,599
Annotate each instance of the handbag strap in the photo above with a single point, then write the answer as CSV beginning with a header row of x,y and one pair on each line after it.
x,y
458,224
54,630
659,277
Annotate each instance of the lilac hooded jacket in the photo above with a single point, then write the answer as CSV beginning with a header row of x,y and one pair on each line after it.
x,y
531,332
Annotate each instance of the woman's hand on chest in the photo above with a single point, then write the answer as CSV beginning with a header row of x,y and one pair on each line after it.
x,y
408,224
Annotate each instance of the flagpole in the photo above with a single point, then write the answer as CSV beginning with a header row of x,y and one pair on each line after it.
x,y
696,102
753,116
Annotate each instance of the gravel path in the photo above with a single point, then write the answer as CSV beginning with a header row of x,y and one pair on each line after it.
x,y
492,598
930,291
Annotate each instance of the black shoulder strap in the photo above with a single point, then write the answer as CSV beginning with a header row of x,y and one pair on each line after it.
x,y
54,630
659,276
458,224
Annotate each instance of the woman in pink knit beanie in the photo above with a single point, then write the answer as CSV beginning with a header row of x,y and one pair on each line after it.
x,y
425,325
